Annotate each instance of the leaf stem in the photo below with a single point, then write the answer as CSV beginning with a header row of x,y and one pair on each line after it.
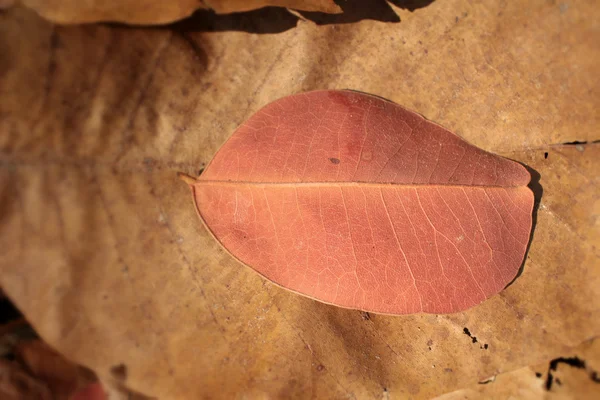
x,y
186,178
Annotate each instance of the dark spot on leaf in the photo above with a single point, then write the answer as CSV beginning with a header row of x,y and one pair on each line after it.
x,y
574,143
468,333
538,374
334,160
119,372
574,362
149,163
571,361
545,155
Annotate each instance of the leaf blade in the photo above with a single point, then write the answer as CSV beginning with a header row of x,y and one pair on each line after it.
x,y
351,252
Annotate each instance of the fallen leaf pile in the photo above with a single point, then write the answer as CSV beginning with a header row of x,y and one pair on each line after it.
x,y
104,255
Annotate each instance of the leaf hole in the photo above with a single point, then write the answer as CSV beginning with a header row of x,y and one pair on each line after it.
x,y
473,338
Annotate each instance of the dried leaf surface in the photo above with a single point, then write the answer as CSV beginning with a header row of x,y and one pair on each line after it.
x,y
575,375
101,244
157,12
358,202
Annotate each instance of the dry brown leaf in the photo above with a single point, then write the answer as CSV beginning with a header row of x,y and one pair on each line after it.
x,y
17,384
576,375
62,377
38,372
126,11
101,244
157,11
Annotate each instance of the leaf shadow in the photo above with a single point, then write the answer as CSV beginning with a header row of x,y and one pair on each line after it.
x,y
269,20
538,192
357,336
359,10
265,20
411,5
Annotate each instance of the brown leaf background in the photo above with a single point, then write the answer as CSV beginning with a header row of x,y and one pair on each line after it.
x,y
569,382
103,252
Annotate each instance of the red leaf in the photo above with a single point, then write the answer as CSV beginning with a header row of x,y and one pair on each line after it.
x,y
358,202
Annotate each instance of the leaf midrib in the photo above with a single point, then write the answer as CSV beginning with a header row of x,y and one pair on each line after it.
x,y
207,182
